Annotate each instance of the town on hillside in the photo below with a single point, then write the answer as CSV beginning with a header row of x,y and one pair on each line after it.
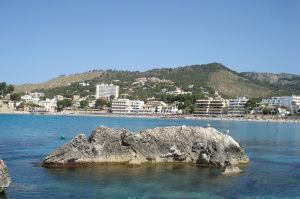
x,y
108,99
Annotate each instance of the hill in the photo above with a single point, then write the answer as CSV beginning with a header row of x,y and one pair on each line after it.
x,y
282,82
60,81
213,76
216,76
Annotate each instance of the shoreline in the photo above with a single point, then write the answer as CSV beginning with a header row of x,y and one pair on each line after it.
x,y
188,117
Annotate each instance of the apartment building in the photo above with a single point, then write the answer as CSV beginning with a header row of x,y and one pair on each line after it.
x,y
290,102
121,106
136,106
171,109
29,99
210,107
237,106
49,105
37,95
107,91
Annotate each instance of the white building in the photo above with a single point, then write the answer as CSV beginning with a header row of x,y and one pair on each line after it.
x,y
139,107
49,105
37,95
84,84
154,106
29,99
171,109
237,107
178,91
136,106
148,109
58,97
290,102
106,91
121,106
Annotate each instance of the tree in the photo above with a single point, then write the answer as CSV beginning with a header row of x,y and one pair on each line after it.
x,y
15,97
83,104
43,98
63,104
6,89
9,89
100,103
266,111
109,104
181,106
2,87
251,103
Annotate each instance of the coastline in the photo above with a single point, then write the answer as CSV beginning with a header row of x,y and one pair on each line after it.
x,y
157,116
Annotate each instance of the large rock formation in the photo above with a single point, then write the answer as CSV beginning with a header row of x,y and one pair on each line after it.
x,y
201,146
4,177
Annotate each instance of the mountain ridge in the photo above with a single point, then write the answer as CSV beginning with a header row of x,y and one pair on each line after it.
x,y
213,75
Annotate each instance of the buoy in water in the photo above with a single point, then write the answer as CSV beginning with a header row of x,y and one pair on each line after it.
x,y
62,137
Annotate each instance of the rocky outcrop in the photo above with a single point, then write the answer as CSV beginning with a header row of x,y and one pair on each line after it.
x,y
197,145
231,170
4,177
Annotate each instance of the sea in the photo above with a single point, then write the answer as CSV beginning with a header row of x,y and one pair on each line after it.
x,y
273,171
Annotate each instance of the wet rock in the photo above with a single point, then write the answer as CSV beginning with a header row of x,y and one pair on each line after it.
x,y
4,177
198,145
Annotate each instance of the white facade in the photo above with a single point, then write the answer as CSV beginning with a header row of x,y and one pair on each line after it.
x,y
171,109
290,102
58,97
139,107
84,84
106,91
148,109
37,95
49,104
29,99
178,91
121,106
236,107
136,106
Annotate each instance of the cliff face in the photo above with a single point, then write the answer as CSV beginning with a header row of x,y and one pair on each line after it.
x,y
4,177
201,146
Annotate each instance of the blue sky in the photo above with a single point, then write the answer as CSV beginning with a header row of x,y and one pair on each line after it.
x,y
40,40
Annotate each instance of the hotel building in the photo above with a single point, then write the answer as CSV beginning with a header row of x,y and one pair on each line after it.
x,y
210,107
237,107
107,91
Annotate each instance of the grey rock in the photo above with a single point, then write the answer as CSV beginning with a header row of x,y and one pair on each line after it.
x,y
4,177
202,146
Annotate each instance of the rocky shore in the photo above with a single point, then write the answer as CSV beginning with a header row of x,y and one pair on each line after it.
x,y
176,144
4,177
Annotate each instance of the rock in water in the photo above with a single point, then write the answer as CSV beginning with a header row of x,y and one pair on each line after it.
x,y
231,170
4,177
201,146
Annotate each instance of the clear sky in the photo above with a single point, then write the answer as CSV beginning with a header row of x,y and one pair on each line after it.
x,y
40,40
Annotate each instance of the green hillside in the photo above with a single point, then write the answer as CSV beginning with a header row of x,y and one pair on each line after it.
x,y
206,77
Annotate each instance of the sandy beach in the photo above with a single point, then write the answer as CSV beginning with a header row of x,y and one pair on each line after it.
x,y
164,116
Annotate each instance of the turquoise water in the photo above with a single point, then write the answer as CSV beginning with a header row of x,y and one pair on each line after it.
x,y
274,170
